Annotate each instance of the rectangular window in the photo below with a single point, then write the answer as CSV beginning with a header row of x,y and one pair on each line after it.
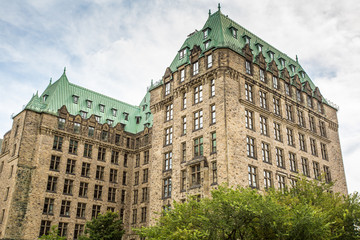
x,y
144,194
212,114
195,68
78,231
48,206
182,53
280,158
61,123
83,114
123,196
309,101
281,182
287,89
76,127
316,168
290,137
145,175
114,157
302,142
305,166
195,175
168,161
262,75
111,194
292,162
167,187
113,175
248,67
275,82
95,211
198,146
169,112
167,88
183,152
45,227
212,88
277,108
70,166
2,216
168,136
57,143
81,209
75,99
198,120
263,126
267,179
143,214
249,119
51,184
301,118
101,108
327,174
146,157
101,154
289,112
263,99
65,208
85,169
182,75
68,186
250,147
184,125
322,128
298,95
252,176
183,180
214,173
136,178
114,112
134,216
323,151
265,149
312,124
184,100
125,159
209,59
54,163
198,94
87,150
99,173
91,131
313,147
277,131
98,192
248,92
73,146
213,142
124,178
83,189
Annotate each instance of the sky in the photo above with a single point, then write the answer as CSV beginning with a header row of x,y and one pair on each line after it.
x,y
117,47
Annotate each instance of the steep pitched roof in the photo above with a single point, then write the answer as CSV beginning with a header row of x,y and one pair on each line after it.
x,y
220,36
62,92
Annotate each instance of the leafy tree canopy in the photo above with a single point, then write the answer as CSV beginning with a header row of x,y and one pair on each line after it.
x,y
53,234
309,211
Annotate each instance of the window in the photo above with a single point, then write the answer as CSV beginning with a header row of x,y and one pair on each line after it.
x,y
271,55
144,194
289,112
101,154
104,135
287,89
313,147
305,166
280,157
76,127
250,147
101,108
213,114
99,172
277,131
167,188
183,152
265,149
184,100
198,119
259,47
290,137
262,75
143,214
75,99
302,142
214,173
195,68
70,166
7,193
182,75
95,211
183,181
145,175
281,182
248,92
125,159
198,146
126,116
248,67
233,32
168,136
182,53
209,58
73,145
85,169
57,143
2,216
114,112
169,112
276,102
123,196
113,175
312,124
252,176
124,178
212,88
184,125
298,95
327,174
91,131
51,184
78,230
275,82
292,161
213,142
316,168
110,123
87,150
83,189
54,163
88,103
65,208
80,211
319,107
168,161
263,126
323,151
61,123
112,194
97,118
206,33
146,157
195,175
249,119
48,206
136,178
301,118
322,128
198,94
114,157
83,114
98,192
267,179
68,186
263,100
45,227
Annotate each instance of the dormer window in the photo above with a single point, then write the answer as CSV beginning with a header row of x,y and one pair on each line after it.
x,y
302,73
114,112
97,118
182,53
167,88
109,122
233,32
246,39
88,103
271,55
207,44
292,68
102,108
259,47
206,33
75,99
126,116
144,107
83,114
282,62
45,97
138,119
148,116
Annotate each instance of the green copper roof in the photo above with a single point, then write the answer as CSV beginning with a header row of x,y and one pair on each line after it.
x,y
220,36
62,92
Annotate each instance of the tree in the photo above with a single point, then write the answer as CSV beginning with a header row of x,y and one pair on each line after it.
x,y
105,227
308,211
53,234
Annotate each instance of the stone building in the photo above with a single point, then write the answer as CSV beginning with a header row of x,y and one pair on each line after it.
x,y
230,108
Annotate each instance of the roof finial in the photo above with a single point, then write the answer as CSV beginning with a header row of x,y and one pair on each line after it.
x,y
297,60
64,70
50,81
209,12
219,7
